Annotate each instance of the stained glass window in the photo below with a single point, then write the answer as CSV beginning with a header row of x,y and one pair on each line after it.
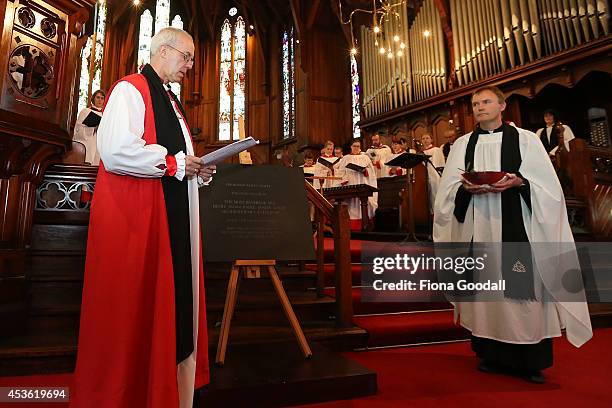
x,y
225,86
162,14
144,39
177,22
232,78
288,61
162,20
91,68
355,95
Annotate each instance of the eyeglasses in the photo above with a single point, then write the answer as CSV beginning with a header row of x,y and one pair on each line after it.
x,y
186,56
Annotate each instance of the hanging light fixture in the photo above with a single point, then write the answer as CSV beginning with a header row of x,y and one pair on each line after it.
x,y
385,13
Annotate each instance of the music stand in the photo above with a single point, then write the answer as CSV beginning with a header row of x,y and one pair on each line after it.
x,y
409,161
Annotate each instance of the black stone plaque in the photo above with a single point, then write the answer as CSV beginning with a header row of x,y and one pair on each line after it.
x,y
256,212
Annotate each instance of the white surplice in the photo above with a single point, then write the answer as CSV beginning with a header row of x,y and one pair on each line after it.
x,y
87,136
391,171
514,321
352,177
433,177
379,155
568,136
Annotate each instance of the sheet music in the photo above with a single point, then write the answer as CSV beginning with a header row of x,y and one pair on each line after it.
x,y
227,151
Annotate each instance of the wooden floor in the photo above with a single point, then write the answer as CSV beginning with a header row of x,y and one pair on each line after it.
x,y
278,375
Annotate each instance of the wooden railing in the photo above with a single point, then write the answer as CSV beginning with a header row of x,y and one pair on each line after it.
x,y
601,191
590,171
338,215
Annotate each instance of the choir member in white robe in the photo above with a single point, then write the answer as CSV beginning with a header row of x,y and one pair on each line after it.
x,y
514,333
378,154
309,166
437,159
551,136
398,148
352,177
87,135
450,135
329,170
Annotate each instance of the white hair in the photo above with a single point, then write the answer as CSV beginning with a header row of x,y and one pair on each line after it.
x,y
166,36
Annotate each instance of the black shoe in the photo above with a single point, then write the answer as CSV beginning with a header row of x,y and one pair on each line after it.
x,y
489,368
535,377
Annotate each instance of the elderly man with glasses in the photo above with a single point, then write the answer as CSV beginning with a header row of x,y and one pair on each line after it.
x,y
143,339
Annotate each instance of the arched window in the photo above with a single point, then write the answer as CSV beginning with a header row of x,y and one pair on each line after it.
x,y
162,14
177,22
144,39
288,70
356,90
232,79
91,68
162,20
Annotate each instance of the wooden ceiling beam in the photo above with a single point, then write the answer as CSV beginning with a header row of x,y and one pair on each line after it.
x,y
119,9
345,27
205,17
312,15
297,18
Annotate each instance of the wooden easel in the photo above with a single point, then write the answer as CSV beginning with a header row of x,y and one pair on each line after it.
x,y
252,270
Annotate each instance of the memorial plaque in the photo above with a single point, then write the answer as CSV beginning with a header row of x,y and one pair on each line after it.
x,y
256,212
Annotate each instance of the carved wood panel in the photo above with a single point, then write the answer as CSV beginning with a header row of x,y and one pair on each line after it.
x,y
36,48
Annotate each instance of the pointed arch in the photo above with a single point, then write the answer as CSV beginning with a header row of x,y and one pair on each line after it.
x,y
232,77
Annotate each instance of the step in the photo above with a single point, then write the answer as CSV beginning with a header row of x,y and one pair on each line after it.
x,y
323,332
36,354
361,307
55,352
411,328
265,308
277,374
59,237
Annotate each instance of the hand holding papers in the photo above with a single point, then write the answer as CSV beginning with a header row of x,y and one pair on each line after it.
x,y
228,151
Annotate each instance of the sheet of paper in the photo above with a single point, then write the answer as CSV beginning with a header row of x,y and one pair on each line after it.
x,y
227,151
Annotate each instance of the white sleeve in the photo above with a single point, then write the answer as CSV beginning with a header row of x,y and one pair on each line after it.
x,y
438,158
78,126
568,136
120,143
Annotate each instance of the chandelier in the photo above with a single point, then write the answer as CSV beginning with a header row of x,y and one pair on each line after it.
x,y
387,26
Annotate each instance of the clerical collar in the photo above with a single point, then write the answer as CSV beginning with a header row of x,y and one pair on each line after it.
x,y
95,108
482,131
355,154
327,156
428,147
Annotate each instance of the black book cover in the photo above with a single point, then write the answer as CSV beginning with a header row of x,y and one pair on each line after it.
x,y
92,120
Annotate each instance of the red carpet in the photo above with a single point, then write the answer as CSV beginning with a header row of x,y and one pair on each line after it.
x,y
410,328
446,376
355,244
